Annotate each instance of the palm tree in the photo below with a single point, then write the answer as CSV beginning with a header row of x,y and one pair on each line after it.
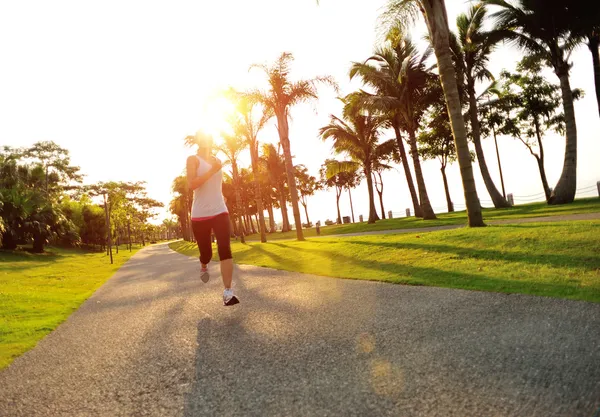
x,y
357,135
282,95
232,146
476,45
584,20
537,27
247,121
336,175
405,12
384,79
275,166
402,66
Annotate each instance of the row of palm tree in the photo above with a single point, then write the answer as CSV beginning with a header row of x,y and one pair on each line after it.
x,y
435,109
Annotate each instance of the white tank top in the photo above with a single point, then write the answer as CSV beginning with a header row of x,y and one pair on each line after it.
x,y
208,198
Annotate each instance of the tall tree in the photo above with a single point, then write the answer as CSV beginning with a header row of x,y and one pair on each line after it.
x,y
536,104
357,136
248,120
55,159
231,147
281,96
307,186
275,166
405,12
383,73
342,176
476,45
436,142
538,26
400,62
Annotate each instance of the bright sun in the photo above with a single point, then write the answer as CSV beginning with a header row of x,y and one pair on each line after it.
x,y
214,115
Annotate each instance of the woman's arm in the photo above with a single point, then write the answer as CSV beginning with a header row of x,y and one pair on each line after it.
x,y
195,181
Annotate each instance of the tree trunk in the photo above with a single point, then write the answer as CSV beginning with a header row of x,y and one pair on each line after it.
x,y
372,212
38,243
251,223
271,218
428,213
380,193
447,190
499,164
238,198
351,207
129,234
594,44
284,214
497,199
437,23
540,161
109,237
257,193
306,212
565,189
289,168
407,173
337,202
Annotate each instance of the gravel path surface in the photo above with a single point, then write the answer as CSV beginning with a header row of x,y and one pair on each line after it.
x,y
156,341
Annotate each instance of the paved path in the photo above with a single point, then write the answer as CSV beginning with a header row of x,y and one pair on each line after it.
x,y
155,341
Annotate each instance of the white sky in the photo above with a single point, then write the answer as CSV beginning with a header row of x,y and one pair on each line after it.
x,y
121,83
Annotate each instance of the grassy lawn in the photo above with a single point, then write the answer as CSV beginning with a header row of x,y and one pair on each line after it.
x,y
587,205
551,259
39,291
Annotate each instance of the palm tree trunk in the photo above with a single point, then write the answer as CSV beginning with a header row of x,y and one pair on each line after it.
x,y
428,213
271,218
497,199
447,190
594,44
337,202
372,212
257,193
351,206
407,173
238,198
282,123
565,189
437,23
284,214
499,164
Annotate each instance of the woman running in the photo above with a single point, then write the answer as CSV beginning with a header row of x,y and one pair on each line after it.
x,y
209,213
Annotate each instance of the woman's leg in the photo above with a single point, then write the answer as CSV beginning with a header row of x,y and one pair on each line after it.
x,y
201,231
221,227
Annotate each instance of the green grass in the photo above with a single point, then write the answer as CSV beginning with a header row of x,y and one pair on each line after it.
x,y
551,259
588,205
39,291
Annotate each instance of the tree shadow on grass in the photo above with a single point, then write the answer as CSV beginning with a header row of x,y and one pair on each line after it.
x,y
417,275
553,260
